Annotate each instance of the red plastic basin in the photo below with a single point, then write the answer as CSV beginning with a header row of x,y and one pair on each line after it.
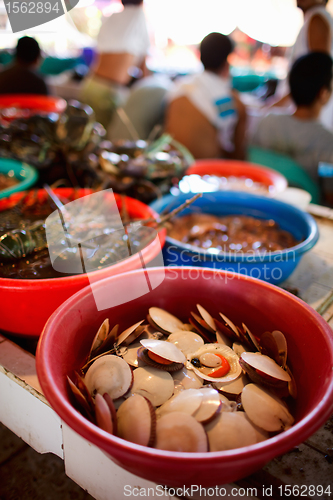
x,y
237,168
33,103
26,304
68,334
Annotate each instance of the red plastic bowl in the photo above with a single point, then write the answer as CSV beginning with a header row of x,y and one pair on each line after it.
x,y
68,334
237,168
33,103
26,304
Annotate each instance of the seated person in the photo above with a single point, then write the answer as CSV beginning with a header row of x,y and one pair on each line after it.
x,y
144,108
21,76
301,135
122,46
204,113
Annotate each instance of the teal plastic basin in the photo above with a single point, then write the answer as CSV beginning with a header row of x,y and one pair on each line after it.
x,y
26,174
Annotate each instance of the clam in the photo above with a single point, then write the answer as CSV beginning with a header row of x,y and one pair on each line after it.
x,y
162,355
155,385
265,409
209,320
137,421
103,414
130,334
100,335
230,430
233,388
187,379
281,343
209,407
202,327
163,320
231,369
82,397
261,434
109,374
187,401
129,354
181,432
264,370
187,342
238,348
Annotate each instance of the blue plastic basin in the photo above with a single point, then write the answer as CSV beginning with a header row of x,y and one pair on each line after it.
x,y
273,267
26,175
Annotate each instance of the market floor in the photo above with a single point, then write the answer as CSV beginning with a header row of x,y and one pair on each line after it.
x,y
28,475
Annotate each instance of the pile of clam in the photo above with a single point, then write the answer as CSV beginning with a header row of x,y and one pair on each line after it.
x,y
205,385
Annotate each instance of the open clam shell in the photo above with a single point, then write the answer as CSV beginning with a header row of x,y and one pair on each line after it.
x,y
223,350
164,321
100,336
155,385
130,334
109,374
264,370
186,342
137,420
209,320
165,350
264,409
181,432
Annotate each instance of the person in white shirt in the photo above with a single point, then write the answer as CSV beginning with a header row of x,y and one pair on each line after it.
x,y
316,35
204,113
301,135
122,44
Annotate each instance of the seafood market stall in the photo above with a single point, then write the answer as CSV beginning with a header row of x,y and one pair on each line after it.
x,y
306,470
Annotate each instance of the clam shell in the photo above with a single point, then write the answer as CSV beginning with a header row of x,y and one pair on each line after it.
x,y
266,365
181,432
103,414
264,409
207,317
129,354
210,405
164,320
100,335
109,374
166,350
229,354
137,421
234,387
155,385
187,378
228,431
128,333
186,342
187,401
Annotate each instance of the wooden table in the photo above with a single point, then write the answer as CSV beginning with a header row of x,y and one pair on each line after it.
x,y
300,472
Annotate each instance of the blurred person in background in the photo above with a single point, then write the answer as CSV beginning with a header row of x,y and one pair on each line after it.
x,y
21,76
122,46
316,35
301,135
203,112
